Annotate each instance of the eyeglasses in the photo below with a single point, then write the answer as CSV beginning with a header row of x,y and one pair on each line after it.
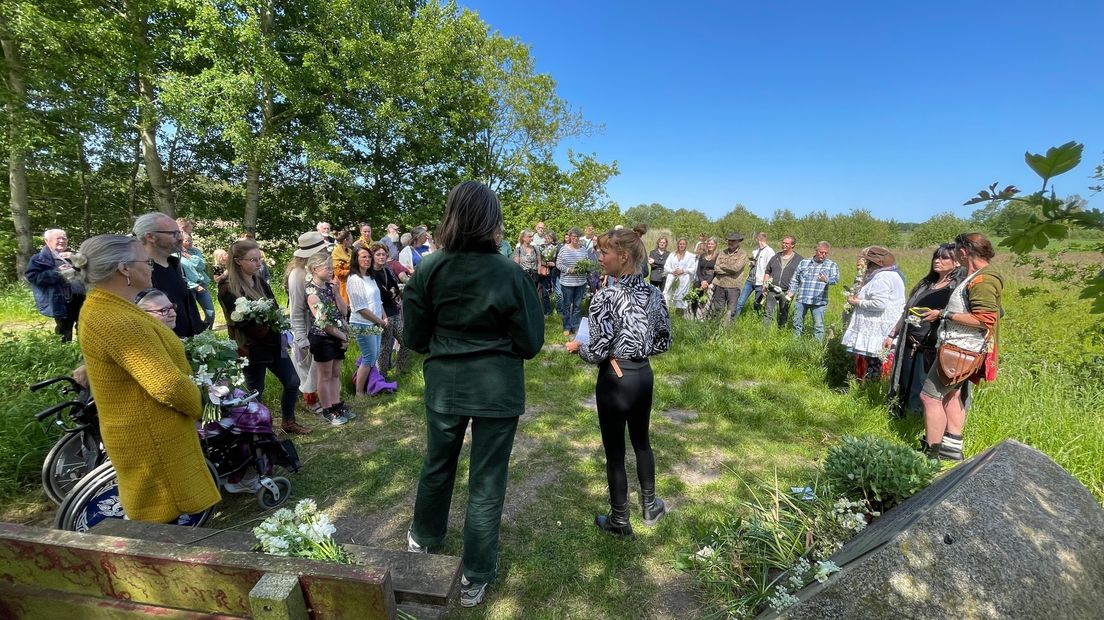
x,y
163,311
148,261
175,233
251,260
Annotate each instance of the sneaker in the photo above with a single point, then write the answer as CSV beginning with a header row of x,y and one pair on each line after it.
x,y
345,411
471,593
294,428
413,547
334,418
245,485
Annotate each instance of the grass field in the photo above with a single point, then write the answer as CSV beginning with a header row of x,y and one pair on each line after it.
x,y
730,406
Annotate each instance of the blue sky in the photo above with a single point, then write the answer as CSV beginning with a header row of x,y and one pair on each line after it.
x,y
902,109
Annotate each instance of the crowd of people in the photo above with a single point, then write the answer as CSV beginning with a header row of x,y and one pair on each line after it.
x,y
430,293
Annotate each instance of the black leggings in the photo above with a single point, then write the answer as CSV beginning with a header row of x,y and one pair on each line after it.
x,y
625,400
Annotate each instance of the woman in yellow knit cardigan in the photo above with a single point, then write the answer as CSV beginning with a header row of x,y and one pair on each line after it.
x,y
142,385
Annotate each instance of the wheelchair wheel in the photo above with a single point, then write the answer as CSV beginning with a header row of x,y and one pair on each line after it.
x,y
96,497
67,463
269,499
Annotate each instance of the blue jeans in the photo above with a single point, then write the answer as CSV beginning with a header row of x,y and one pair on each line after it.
x,y
818,318
745,293
369,345
206,303
572,298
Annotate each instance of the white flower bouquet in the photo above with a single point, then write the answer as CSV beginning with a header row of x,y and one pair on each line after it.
x,y
216,368
304,532
263,312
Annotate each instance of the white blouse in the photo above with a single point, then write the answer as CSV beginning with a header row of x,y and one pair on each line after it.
x,y
363,295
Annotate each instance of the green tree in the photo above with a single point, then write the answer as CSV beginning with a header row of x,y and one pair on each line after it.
x,y
941,228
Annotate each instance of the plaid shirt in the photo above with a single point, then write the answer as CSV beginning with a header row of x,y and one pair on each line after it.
x,y
805,286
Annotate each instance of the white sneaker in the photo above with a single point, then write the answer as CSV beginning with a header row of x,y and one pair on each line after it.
x,y
413,547
245,485
471,594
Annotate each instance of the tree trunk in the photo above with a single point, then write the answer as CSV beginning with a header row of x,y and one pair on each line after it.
x,y
253,167
17,168
252,195
147,116
132,183
86,193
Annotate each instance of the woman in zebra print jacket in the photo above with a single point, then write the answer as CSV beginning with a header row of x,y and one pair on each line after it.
x,y
628,324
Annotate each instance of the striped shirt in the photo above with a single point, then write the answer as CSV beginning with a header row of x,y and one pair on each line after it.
x,y
565,260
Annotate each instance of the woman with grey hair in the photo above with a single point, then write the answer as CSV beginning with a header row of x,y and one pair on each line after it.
x,y
142,384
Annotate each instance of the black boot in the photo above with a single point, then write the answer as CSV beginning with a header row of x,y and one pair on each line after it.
x,y
931,450
617,522
652,506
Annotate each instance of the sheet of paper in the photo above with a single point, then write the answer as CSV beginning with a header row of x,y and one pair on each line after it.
x,y
582,335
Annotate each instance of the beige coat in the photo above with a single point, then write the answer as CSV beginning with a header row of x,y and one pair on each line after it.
x,y
730,268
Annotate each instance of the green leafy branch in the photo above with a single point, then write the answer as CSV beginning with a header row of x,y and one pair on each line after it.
x,y
1054,217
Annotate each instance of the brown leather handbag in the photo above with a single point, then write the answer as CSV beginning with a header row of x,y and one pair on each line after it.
x,y
957,364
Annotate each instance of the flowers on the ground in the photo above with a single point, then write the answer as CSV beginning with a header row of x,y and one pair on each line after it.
x,y
800,575
304,532
264,312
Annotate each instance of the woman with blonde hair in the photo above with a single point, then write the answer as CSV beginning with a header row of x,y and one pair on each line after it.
x,y
679,267
628,325
264,347
328,337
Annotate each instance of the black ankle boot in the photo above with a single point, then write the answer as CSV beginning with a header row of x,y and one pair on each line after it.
x,y
652,507
931,450
617,522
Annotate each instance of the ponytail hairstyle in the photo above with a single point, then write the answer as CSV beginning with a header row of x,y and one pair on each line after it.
x,y
630,242
976,245
236,280
99,257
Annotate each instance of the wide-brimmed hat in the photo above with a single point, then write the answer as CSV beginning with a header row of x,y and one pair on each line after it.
x,y
310,243
734,236
880,256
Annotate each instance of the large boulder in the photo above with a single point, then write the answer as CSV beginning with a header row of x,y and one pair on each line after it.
x,y
1007,534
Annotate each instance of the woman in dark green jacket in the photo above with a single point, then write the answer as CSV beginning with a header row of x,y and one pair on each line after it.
x,y
476,317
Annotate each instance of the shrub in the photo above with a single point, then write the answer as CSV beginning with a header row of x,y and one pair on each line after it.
x,y
942,228
877,470
28,357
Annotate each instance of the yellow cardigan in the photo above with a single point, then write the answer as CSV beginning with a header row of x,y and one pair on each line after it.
x,y
148,407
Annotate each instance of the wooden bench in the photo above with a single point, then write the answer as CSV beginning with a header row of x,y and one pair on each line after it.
x,y
126,569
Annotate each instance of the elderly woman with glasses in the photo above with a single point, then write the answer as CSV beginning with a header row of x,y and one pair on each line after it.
x,y
142,384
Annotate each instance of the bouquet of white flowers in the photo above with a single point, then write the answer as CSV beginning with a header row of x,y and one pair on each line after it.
x,y
548,252
263,312
216,367
301,533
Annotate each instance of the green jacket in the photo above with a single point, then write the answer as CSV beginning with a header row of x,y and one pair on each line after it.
x,y
476,316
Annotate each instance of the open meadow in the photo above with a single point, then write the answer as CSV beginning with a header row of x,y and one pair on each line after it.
x,y
731,406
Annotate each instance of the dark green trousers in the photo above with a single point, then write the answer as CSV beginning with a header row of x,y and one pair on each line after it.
x,y
492,441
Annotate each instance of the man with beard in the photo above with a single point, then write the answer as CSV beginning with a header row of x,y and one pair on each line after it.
x,y
161,237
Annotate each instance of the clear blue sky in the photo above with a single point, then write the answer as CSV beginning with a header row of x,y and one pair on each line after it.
x,y
904,109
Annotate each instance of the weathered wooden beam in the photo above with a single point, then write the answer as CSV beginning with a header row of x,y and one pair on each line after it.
x,y
29,603
192,578
427,579
278,597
